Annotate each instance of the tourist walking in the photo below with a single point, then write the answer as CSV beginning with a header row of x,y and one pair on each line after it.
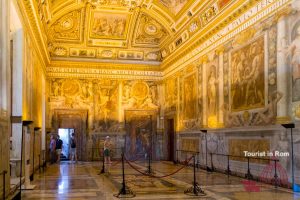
x,y
107,146
73,148
58,147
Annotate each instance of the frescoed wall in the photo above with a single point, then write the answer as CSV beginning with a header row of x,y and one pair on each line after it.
x,y
105,101
247,86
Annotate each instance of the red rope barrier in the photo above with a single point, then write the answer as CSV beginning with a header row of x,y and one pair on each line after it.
x,y
151,175
119,161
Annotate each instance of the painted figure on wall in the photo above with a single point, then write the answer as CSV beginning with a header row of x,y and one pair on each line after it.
x,y
171,94
190,97
293,51
212,90
55,89
268,114
138,139
247,76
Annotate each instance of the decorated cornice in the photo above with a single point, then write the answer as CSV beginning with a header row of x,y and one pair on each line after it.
x,y
63,72
102,65
240,20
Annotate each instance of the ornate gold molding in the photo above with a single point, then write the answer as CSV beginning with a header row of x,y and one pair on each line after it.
x,y
33,26
225,32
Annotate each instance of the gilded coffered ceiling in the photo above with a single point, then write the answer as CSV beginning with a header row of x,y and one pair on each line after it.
x,y
145,32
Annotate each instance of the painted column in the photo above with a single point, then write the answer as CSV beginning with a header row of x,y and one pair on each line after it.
x,y
282,71
221,87
204,89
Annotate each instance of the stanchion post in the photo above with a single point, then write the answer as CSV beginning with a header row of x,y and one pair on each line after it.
x,y
102,171
228,166
123,189
275,174
248,175
124,192
194,167
195,190
149,169
291,126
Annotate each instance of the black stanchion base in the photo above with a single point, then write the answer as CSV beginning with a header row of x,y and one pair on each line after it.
x,y
149,171
209,169
102,171
248,176
31,177
125,192
275,181
17,196
228,172
195,190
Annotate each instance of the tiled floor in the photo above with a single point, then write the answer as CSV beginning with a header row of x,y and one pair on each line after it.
x,y
81,181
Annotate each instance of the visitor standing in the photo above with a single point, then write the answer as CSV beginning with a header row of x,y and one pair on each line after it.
x,y
58,148
73,148
107,146
52,149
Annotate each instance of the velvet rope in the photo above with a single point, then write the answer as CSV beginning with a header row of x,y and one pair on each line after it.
x,y
151,175
136,159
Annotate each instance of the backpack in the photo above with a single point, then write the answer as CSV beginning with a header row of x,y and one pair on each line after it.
x,y
58,144
73,144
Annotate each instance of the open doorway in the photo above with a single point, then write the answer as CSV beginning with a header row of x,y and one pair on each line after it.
x,y
65,135
171,139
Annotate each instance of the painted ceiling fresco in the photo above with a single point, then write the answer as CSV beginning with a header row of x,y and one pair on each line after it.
x,y
174,6
140,30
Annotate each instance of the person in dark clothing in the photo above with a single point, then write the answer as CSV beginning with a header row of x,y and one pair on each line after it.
x,y
58,148
73,148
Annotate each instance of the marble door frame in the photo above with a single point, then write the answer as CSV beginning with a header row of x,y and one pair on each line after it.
x,y
69,118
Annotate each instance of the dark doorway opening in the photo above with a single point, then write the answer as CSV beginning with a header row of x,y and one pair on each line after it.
x,y
65,135
171,139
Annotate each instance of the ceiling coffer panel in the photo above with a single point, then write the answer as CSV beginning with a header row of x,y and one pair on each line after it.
x,y
105,25
149,32
68,28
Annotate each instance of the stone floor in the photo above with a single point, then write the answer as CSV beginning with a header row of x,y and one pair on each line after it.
x,y
81,181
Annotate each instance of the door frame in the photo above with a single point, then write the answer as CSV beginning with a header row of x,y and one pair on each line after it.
x,y
167,137
78,114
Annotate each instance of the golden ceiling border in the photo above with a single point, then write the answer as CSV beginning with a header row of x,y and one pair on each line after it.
x,y
198,51
32,25
227,15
